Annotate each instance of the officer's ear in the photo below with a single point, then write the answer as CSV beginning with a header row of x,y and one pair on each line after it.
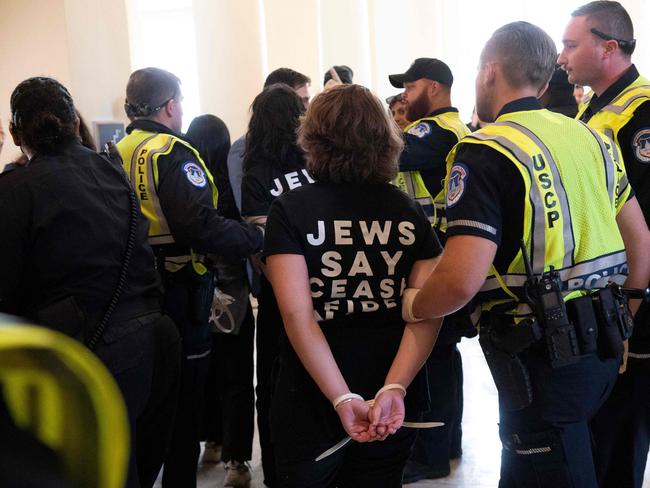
x,y
433,88
169,108
610,47
488,73
15,135
542,90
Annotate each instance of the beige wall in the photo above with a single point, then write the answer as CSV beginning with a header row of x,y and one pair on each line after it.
x,y
85,44
82,43
231,58
33,41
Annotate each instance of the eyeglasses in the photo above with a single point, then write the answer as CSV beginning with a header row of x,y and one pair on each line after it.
x,y
626,46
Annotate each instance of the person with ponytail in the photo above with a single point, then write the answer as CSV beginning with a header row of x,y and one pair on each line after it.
x,y
76,259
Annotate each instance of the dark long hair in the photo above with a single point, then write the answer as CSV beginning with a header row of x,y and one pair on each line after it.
x,y
271,137
209,135
43,114
85,137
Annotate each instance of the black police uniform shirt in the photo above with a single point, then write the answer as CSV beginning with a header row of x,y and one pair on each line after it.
x,y
633,138
64,224
187,206
426,146
359,243
634,141
491,195
263,182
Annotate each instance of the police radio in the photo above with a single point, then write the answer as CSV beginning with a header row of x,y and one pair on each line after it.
x,y
544,295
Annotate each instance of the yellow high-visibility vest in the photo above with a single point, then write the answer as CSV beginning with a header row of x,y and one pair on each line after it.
x,y
140,151
575,184
613,117
412,183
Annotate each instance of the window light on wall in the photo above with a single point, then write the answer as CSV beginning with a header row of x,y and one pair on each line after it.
x,y
162,35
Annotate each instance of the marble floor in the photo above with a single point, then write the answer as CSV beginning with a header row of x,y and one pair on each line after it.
x,y
479,466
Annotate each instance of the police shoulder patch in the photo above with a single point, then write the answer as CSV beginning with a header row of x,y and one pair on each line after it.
x,y
420,130
457,182
641,145
195,174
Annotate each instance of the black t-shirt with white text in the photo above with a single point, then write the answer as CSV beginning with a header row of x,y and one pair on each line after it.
x,y
263,183
359,242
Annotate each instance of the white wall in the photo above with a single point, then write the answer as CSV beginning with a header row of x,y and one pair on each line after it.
x,y
85,44
231,58
82,43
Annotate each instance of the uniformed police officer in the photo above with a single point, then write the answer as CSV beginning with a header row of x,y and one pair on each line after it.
x,y
598,45
558,186
178,196
435,129
65,236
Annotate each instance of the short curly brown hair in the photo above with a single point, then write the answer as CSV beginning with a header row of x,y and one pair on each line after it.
x,y
348,137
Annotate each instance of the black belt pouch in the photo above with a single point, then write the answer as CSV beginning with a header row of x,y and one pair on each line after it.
x,y
581,312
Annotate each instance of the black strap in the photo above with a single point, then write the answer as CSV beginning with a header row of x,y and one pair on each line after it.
x,y
114,156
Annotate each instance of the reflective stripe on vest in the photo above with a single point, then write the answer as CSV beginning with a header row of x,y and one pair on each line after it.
x,y
144,177
613,117
570,202
140,151
449,121
411,183
434,208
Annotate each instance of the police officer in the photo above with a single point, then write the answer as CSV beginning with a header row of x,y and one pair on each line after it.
x,y
65,228
558,186
178,196
435,129
598,46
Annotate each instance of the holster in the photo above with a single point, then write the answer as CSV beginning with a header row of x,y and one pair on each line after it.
x,y
509,373
615,322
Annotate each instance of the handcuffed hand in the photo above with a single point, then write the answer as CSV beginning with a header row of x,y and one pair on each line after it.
x,y
387,414
355,421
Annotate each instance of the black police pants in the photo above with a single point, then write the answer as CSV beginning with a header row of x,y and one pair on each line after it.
x,y
183,455
621,429
230,397
548,443
188,298
433,448
268,330
144,354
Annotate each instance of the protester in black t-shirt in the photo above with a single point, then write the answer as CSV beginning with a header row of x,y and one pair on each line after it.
x,y
339,253
273,164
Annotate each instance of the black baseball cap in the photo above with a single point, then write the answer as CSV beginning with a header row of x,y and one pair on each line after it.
x,y
429,68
